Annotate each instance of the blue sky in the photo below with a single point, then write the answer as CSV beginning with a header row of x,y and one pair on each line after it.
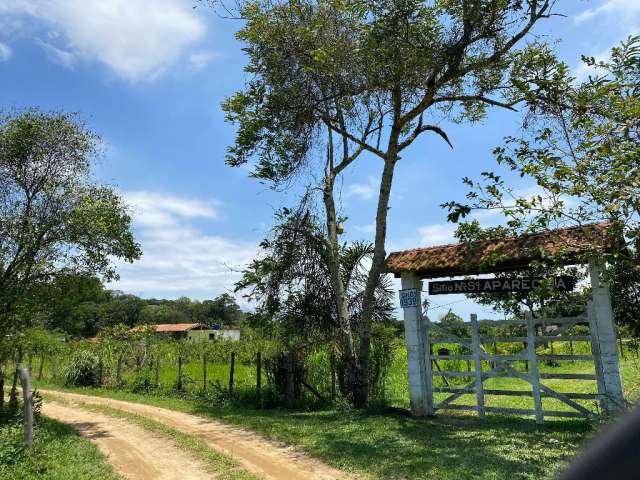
x,y
149,76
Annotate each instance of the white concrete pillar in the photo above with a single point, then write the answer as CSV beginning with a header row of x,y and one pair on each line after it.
x,y
419,364
605,332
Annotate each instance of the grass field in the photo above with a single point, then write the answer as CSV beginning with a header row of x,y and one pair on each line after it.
x,y
59,453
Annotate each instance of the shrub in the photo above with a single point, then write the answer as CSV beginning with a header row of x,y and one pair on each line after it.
x,y
82,370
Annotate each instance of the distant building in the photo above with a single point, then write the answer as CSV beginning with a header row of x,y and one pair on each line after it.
x,y
196,332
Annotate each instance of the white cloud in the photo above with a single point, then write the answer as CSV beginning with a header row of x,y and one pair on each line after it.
x,y
137,39
154,209
58,55
179,259
625,9
202,58
363,191
369,228
436,234
5,52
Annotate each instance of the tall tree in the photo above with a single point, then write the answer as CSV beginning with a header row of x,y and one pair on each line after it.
x,y
53,217
364,78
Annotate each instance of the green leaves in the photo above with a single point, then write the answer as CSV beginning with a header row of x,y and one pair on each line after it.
x,y
53,218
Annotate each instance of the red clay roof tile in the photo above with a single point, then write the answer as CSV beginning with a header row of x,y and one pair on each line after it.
x,y
512,253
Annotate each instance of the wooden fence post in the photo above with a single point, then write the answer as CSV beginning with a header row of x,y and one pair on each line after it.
x,y
180,373
157,370
475,345
533,367
204,370
100,371
41,366
259,379
231,371
119,370
290,380
333,374
27,394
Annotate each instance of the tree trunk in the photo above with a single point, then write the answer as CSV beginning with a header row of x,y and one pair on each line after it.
x,y
342,304
361,385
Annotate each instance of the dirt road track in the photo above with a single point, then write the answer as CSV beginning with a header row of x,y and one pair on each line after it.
x,y
134,453
266,459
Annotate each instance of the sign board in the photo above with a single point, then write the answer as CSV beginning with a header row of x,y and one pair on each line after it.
x,y
489,285
408,298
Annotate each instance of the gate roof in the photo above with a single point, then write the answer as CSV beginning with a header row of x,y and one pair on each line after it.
x,y
505,254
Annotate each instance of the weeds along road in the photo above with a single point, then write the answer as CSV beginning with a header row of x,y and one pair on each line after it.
x,y
263,458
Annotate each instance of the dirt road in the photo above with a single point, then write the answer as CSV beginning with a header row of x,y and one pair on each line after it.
x,y
134,453
267,459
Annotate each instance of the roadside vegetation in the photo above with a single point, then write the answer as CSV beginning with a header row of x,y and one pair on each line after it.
x,y
374,442
58,452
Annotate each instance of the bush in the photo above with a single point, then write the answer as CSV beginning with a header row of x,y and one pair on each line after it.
x,y
82,370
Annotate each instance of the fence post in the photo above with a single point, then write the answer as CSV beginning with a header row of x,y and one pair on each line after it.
x,y
333,374
179,373
100,371
41,366
27,394
157,370
231,371
601,317
416,327
259,379
119,370
475,345
290,380
204,370
533,367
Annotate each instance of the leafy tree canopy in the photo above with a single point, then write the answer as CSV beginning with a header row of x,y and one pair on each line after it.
x,y
581,146
53,217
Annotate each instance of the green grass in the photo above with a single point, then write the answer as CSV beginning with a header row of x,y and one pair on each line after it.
x,y
221,466
59,453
